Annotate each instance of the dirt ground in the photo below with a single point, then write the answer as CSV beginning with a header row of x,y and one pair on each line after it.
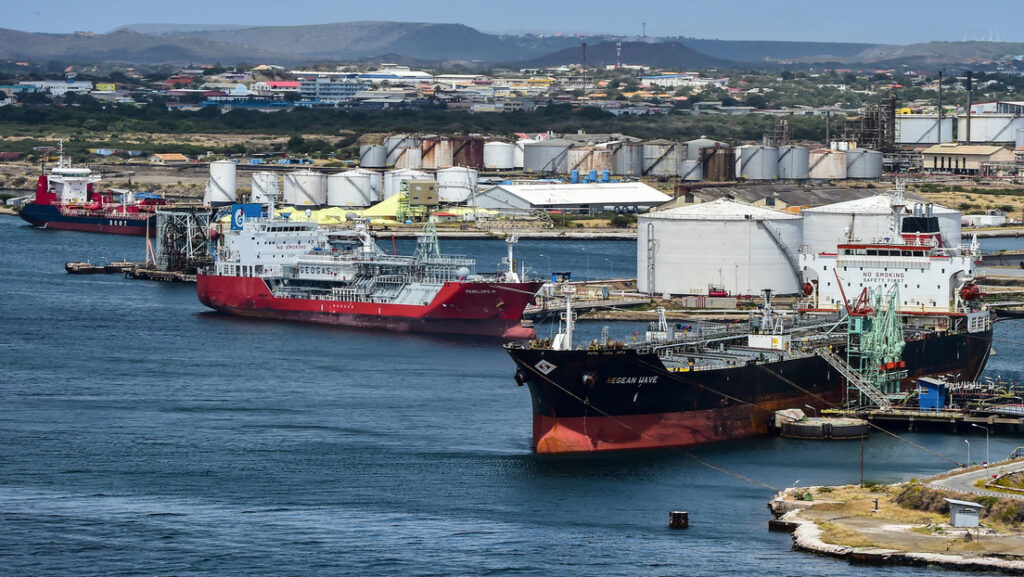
x,y
847,516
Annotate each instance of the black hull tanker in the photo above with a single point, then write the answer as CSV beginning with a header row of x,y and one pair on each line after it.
x,y
918,314
615,398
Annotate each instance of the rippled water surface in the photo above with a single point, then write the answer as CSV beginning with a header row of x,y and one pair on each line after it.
x,y
141,434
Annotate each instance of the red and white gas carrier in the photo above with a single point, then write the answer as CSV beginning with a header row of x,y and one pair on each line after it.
x,y
280,269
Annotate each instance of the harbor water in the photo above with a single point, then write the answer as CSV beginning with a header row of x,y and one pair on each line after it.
x,y
141,434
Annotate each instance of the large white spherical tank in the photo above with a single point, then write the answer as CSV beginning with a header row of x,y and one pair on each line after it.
x,y
373,156
456,184
794,162
394,144
394,178
827,164
304,188
410,157
661,158
265,185
691,170
759,162
352,188
517,154
499,155
222,186
730,252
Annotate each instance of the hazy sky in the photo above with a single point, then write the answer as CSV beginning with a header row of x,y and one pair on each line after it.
x,y
877,21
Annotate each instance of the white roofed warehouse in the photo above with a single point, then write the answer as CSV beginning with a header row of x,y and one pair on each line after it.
x,y
720,245
586,198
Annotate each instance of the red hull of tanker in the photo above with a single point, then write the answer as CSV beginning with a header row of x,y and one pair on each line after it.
x,y
466,308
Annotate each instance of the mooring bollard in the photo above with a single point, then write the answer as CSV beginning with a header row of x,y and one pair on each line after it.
x,y
678,519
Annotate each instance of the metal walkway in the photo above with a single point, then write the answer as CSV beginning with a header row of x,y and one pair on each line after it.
x,y
852,376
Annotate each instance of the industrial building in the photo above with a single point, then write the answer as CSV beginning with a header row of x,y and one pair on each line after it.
x,y
963,159
721,245
585,198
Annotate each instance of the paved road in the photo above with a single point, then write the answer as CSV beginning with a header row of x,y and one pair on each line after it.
x,y
964,482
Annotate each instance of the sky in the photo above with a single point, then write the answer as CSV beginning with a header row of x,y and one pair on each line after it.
x,y
872,21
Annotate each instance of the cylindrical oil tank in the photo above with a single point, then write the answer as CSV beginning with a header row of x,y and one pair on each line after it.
x,y
394,178
794,162
468,152
373,156
863,163
265,185
866,219
456,184
693,147
661,157
409,157
376,182
923,129
304,188
499,155
718,163
827,164
760,162
352,188
395,143
589,159
690,170
519,152
436,152
723,244
627,158
221,188
547,156
988,127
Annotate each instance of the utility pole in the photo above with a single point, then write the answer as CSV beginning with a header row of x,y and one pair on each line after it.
x,y
939,108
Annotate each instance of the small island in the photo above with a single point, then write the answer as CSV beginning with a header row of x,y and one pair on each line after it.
x,y
909,523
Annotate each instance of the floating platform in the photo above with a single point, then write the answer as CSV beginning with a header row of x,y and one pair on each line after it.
x,y
109,268
826,428
951,420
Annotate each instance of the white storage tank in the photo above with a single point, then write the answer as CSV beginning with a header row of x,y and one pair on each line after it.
x,y
865,219
693,147
589,158
863,163
759,162
394,145
373,156
627,158
794,163
691,170
305,188
352,188
723,244
827,164
547,156
518,154
923,129
499,155
410,157
394,178
265,185
661,157
989,127
221,188
456,184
